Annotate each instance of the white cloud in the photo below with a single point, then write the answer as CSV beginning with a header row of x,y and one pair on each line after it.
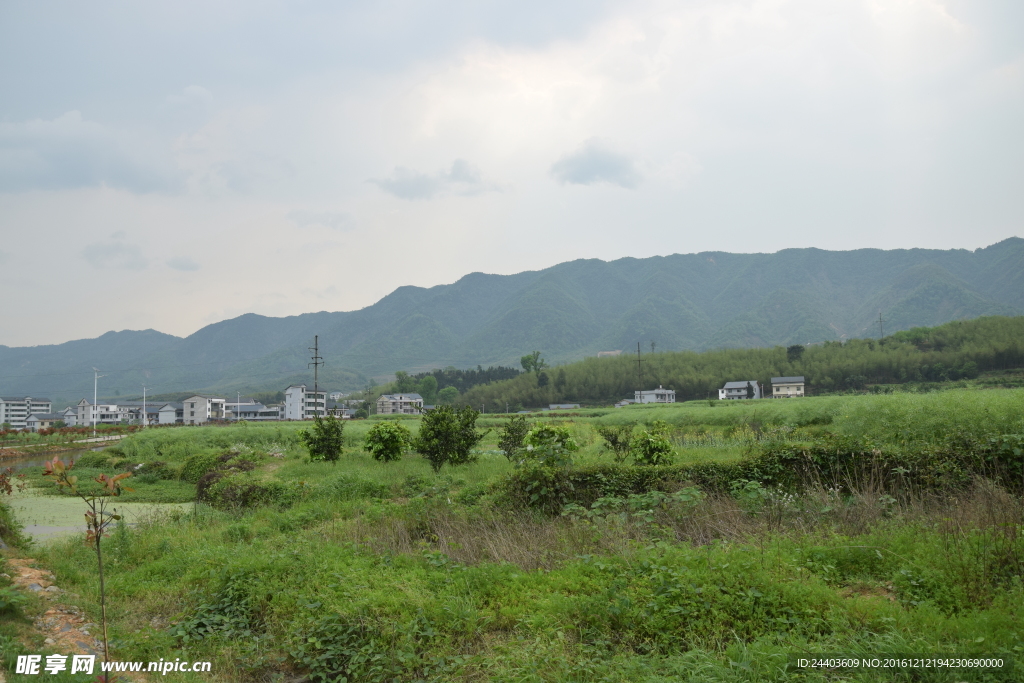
x,y
115,254
595,163
336,220
71,152
183,263
747,125
462,179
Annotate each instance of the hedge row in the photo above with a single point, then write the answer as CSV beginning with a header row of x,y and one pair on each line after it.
x,y
831,461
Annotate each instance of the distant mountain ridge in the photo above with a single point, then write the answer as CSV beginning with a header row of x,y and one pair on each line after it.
x,y
568,311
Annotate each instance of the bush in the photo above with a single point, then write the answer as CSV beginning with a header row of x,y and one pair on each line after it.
x,y
618,438
550,446
99,460
198,465
244,491
512,436
386,441
324,439
447,436
651,446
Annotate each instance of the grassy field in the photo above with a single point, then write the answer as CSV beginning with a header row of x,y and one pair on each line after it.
x,y
386,571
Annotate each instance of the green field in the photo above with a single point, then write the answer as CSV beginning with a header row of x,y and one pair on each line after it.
x,y
389,572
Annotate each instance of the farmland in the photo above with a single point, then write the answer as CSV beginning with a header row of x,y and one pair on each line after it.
x,y
855,525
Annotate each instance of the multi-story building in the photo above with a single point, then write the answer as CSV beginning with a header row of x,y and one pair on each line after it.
x,y
400,404
300,404
659,395
199,409
70,416
171,413
738,390
123,412
14,410
787,387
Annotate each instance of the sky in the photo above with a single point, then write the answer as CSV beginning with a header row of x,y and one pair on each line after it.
x,y
170,165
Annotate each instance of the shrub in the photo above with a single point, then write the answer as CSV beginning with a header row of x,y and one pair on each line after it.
x,y
324,439
651,449
618,438
512,436
387,440
550,446
97,460
199,464
244,491
447,436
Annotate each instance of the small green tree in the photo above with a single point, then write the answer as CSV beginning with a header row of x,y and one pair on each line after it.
x,y
447,436
324,439
97,519
618,438
512,435
532,362
447,396
404,384
387,440
427,388
550,446
651,446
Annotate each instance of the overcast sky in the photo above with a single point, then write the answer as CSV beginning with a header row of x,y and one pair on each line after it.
x,y
169,165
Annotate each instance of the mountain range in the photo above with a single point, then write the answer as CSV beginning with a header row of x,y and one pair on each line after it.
x,y
568,311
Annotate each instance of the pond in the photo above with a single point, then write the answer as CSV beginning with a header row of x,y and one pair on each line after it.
x,y
46,515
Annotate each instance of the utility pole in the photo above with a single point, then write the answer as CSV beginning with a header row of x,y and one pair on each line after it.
x,y
95,384
881,329
144,416
639,371
316,362
238,399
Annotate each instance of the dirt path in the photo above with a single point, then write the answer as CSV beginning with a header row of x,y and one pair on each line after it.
x,y
67,629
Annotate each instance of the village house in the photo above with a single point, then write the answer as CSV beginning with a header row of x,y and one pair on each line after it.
x,y
659,395
251,411
199,409
400,404
301,404
787,387
739,390
37,421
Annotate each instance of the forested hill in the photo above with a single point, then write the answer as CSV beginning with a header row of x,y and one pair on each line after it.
x,y
569,311
950,352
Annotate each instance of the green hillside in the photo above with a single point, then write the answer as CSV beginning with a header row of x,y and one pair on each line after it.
x,y
954,351
570,311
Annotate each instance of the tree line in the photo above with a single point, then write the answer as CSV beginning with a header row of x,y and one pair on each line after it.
x,y
956,350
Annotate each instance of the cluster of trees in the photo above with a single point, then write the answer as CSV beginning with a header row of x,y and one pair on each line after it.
x,y
444,386
956,350
447,436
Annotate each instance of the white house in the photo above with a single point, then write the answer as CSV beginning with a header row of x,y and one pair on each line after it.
x,y
254,412
15,410
737,390
37,421
787,387
199,409
90,413
400,404
70,416
171,413
300,404
659,395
